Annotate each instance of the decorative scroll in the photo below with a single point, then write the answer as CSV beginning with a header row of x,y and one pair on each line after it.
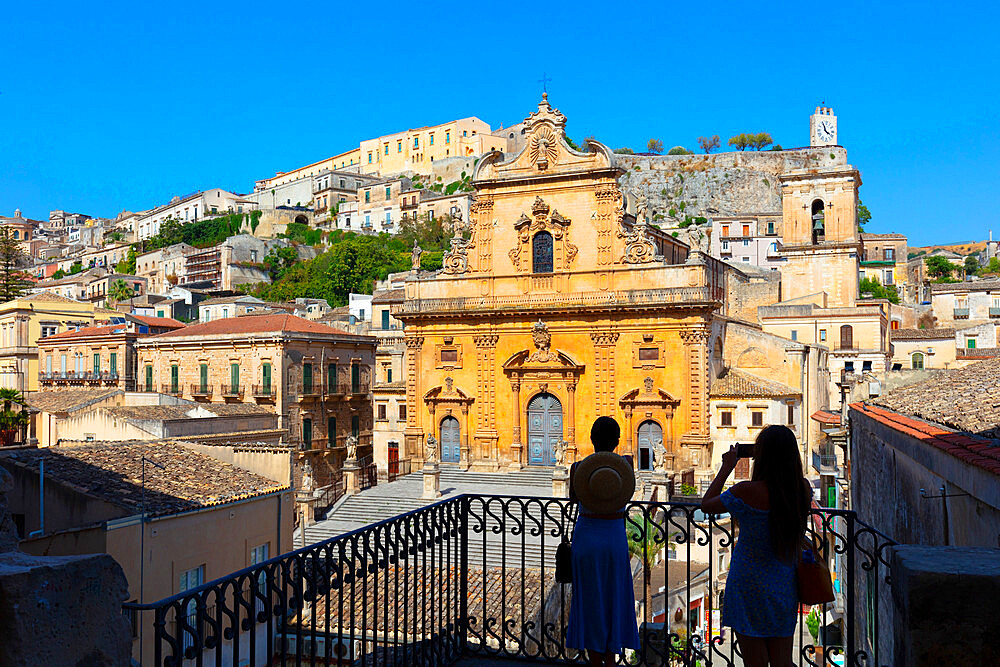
x,y
639,245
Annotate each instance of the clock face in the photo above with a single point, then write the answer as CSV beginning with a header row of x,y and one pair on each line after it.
x,y
825,130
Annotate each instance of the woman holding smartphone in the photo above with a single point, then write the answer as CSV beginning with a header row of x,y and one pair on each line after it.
x,y
772,508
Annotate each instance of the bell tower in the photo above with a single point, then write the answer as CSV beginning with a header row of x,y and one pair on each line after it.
x,y
820,240
823,127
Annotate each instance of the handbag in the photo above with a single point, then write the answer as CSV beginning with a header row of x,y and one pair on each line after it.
x,y
814,580
564,559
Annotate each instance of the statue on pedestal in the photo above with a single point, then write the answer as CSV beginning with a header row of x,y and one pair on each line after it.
x,y
560,453
430,449
415,256
352,448
307,478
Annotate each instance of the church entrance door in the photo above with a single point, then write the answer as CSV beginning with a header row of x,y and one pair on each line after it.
x,y
650,434
545,429
451,449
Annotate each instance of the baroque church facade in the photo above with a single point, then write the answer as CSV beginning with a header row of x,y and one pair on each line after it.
x,y
560,307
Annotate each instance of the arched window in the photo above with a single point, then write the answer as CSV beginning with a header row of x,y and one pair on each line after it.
x,y
541,253
917,361
511,135
847,337
818,222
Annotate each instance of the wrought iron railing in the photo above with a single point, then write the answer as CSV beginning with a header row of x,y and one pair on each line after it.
x,y
232,391
201,390
473,576
263,390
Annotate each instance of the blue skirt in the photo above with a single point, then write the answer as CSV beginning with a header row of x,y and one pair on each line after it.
x,y
602,611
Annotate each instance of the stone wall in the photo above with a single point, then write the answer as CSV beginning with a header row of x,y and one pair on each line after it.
x,y
718,184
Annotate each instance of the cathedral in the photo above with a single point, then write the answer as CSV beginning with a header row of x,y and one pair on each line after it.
x,y
561,306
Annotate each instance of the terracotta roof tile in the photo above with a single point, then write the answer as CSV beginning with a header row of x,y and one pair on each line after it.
x,y
87,332
160,321
112,472
67,400
922,334
252,324
737,384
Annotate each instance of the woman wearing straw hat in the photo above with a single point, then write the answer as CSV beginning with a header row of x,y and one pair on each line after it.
x,y
602,611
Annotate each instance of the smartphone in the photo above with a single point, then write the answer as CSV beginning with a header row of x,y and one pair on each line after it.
x,y
744,450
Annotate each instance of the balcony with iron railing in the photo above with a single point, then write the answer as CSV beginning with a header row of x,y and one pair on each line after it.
x,y
201,390
265,391
71,377
824,461
960,313
994,312
172,389
232,391
471,580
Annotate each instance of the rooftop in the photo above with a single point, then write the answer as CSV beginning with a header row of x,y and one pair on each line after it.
x,y
737,384
251,324
967,399
112,472
865,236
390,296
160,321
68,400
937,333
970,286
86,332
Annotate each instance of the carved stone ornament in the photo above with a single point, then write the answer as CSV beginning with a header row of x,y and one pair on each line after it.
x,y
449,386
457,259
639,245
647,384
430,449
352,447
542,148
543,339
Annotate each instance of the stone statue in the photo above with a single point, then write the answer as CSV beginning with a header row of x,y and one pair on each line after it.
x,y
415,256
307,478
659,457
352,448
430,449
560,452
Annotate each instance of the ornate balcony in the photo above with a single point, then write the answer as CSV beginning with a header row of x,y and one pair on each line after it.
x,y
232,391
172,389
201,390
470,580
264,391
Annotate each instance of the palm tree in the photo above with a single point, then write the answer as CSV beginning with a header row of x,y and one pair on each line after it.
x,y
645,539
10,396
120,291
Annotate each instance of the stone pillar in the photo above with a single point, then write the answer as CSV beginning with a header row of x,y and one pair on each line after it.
x,y
352,477
944,602
630,448
660,486
697,437
515,446
413,435
305,504
560,482
464,454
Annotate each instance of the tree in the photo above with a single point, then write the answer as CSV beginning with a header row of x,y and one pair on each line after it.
x,y
679,150
279,260
709,144
127,265
120,291
75,268
993,266
741,141
761,140
939,267
10,396
654,146
58,274
877,291
357,262
971,266
863,216
13,280
624,150
645,539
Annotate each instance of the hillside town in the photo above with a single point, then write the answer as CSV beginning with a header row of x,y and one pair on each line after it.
x,y
352,351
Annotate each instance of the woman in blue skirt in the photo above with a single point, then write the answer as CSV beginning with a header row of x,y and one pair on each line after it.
x,y
602,611
771,510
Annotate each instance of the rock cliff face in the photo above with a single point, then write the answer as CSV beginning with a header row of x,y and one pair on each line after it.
x,y
690,189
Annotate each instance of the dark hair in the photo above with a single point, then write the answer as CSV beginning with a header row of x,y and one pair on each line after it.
x,y
605,434
778,465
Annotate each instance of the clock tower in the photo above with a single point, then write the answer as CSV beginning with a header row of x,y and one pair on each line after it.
x,y
823,127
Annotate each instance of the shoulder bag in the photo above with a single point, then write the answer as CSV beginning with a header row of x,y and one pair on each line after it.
x,y
813,575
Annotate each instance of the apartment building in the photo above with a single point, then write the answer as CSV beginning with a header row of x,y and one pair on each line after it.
x,y
883,259
750,239
317,379
190,208
959,304
389,389
415,149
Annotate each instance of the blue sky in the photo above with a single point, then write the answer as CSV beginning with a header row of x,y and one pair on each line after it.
x,y
112,106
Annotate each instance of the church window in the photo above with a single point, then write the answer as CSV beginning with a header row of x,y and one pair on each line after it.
x,y
726,418
917,361
541,253
649,353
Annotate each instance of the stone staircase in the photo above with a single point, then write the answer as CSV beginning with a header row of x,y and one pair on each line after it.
x,y
403,495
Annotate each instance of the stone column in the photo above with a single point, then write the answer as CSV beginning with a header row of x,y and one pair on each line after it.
x,y
630,448
515,446
571,424
697,437
305,504
413,435
464,454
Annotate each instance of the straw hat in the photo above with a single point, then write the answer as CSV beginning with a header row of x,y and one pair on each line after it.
x,y
604,482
